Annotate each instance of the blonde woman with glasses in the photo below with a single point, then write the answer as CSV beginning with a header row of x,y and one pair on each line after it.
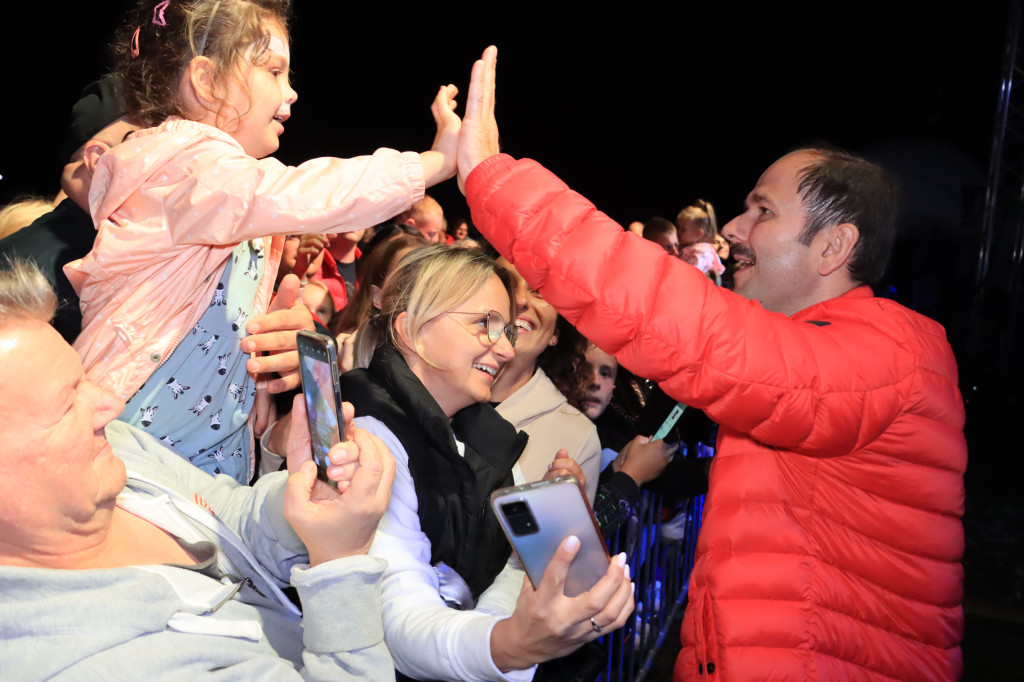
x,y
452,608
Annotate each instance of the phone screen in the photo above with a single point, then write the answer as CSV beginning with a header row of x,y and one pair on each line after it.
x,y
318,382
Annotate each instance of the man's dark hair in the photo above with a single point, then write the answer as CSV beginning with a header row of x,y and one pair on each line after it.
x,y
840,187
656,226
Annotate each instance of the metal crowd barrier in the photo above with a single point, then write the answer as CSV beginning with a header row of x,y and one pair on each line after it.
x,y
661,572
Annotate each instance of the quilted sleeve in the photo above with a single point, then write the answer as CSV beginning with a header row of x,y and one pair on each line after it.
x,y
815,388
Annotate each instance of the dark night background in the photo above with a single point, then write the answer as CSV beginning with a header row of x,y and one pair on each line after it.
x,y
644,110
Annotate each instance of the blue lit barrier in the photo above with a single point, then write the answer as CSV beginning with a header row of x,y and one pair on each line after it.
x,y
661,571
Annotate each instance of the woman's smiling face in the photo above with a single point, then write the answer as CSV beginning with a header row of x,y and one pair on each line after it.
x,y
462,360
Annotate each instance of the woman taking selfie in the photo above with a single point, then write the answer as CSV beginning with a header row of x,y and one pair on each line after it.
x,y
452,608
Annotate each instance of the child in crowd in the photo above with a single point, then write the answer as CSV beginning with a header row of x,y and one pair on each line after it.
x,y
192,217
696,225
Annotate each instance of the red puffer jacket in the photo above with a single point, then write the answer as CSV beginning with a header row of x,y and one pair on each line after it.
x,y
832,538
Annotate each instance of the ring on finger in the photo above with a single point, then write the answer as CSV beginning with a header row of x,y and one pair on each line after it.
x,y
595,626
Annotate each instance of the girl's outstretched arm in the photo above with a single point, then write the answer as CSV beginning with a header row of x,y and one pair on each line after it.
x,y
439,163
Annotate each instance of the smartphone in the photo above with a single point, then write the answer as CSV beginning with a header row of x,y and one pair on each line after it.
x,y
318,365
660,416
670,422
537,517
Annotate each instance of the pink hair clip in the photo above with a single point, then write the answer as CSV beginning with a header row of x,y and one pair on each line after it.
x,y
135,43
158,13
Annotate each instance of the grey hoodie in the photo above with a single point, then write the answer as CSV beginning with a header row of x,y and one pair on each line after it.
x,y
164,622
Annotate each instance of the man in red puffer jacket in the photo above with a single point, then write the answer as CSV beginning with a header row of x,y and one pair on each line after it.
x,y
832,538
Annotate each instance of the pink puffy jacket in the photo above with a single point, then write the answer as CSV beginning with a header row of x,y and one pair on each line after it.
x,y
170,205
832,538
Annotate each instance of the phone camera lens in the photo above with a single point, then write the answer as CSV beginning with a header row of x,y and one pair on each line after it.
x,y
520,518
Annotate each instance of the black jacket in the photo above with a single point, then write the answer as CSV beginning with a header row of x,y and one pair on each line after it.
x,y
453,492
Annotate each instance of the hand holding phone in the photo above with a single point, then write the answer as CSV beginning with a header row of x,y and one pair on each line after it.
x,y
538,517
336,522
318,364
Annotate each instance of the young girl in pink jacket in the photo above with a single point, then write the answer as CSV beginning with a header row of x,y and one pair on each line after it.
x,y
191,216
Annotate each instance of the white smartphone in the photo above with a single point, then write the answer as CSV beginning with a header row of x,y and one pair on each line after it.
x,y
318,364
537,517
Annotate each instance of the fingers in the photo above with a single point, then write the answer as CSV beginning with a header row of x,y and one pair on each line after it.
x,y
557,569
311,244
346,351
275,338
348,413
443,108
372,480
298,490
618,607
279,362
266,411
490,73
298,447
287,296
480,100
278,326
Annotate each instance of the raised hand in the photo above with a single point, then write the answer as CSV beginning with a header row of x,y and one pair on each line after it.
x,y
309,257
479,137
440,162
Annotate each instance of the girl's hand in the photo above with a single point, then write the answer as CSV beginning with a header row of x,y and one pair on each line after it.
x,y
546,624
439,163
336,523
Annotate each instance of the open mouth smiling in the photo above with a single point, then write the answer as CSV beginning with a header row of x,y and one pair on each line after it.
x,y
493,371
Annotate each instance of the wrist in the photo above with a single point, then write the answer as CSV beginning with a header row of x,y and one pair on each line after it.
x,y
506,646
434,170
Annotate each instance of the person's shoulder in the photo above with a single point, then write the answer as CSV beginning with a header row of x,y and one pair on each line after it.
x,y
862,307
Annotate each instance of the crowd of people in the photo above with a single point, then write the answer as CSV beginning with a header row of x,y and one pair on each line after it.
x,y
163,515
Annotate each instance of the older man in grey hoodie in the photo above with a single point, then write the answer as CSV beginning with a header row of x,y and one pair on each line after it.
x,y
119,560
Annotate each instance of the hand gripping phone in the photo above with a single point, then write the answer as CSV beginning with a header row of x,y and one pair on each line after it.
x,y
537,517
318,365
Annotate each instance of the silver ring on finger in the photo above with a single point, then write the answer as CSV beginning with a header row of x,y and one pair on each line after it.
x,y
595,626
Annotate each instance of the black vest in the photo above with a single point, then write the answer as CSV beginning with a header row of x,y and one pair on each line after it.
x,y
453,492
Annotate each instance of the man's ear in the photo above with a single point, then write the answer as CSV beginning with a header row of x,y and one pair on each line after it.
x,y
91,153
836,245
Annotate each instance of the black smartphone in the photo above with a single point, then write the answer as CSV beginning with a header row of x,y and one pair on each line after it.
x,y
660,416
318,365
537,517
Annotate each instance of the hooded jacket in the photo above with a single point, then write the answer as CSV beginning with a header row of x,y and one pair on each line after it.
x,y
831,539
171,622
552,424
171,203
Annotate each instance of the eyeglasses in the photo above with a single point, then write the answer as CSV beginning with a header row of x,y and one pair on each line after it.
x,y
495,325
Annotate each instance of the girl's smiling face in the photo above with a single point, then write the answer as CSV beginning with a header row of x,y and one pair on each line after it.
x,y
254,111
